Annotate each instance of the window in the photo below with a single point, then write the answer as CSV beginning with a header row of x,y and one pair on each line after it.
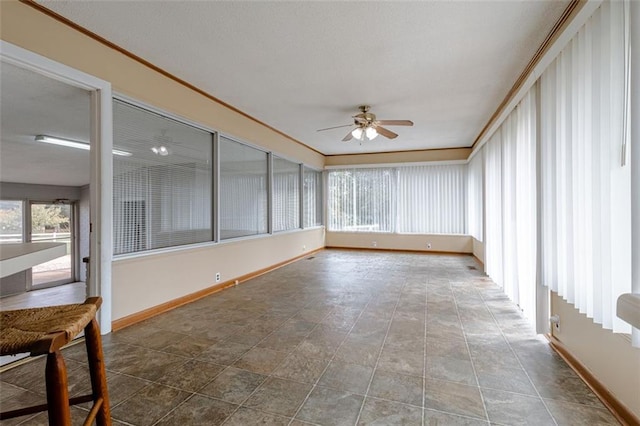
x,y
362,200
243,190
412,199
162,191
312,203
11,221
286,194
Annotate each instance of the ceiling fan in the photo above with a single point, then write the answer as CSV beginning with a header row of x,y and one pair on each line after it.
x,y
369,127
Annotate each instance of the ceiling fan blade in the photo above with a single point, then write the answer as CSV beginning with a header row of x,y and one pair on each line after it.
x,y
334,127
360,119
348,137
395,122
385,132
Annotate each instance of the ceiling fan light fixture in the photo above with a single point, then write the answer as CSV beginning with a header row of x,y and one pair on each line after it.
x,y
372,133
358,133
160,150
74,144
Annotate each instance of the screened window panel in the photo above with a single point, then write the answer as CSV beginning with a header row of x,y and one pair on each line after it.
x,y
243,190
362,200
159,200
286,194
312,201
432,199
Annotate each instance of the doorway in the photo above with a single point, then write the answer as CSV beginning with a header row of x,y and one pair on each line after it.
x,y
95,147
54,222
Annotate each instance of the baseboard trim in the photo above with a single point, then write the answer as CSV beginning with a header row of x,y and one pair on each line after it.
x,y
452,253
618,409
145,314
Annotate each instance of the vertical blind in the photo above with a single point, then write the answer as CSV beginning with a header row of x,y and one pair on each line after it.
x,y
511,219
312,193
243,190
413,199
585,193
286,194
475,195
159,200
432,199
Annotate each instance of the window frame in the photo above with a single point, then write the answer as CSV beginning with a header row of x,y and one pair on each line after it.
x,y
215,190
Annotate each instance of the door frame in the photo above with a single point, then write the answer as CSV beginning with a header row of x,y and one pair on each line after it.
x,y
101,181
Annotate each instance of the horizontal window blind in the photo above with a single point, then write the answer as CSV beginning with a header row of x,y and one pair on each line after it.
x,y
312,201
243,190
162,191
286,194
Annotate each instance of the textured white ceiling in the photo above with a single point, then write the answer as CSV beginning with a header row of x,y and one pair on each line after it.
x,y
30,105
301,66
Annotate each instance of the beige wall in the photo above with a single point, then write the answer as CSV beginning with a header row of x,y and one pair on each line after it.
x,y
144,282
399,157
439,243
478,249
607,355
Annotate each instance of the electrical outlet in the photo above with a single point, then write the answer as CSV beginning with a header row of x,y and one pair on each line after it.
x,y
218,277
428,245
374,244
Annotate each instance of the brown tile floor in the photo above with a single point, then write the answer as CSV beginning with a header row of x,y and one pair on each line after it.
x,y
343,338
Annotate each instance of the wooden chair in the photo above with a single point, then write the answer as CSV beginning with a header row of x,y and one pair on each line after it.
x,y
46,330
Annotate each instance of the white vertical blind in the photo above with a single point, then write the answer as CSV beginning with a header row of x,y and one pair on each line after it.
x,y
511,206
243,190
586,221
493,207
526,205
432,199
312,197
412,199
159,200
475,195
286,194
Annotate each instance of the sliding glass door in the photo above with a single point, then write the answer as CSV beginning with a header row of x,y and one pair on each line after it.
x,y
53,222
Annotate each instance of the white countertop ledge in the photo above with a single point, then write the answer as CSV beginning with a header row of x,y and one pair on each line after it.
x,y
17,257
629,308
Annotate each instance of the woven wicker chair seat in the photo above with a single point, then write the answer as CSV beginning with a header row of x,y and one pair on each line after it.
x,y
22,329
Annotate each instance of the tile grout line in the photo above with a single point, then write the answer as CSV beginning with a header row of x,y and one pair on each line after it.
x,y
466,342
231,365
424,360
331,360
375,367
275,368
535,388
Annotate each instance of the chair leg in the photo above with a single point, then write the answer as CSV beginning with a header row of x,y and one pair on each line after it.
x,y
99,387
57,390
